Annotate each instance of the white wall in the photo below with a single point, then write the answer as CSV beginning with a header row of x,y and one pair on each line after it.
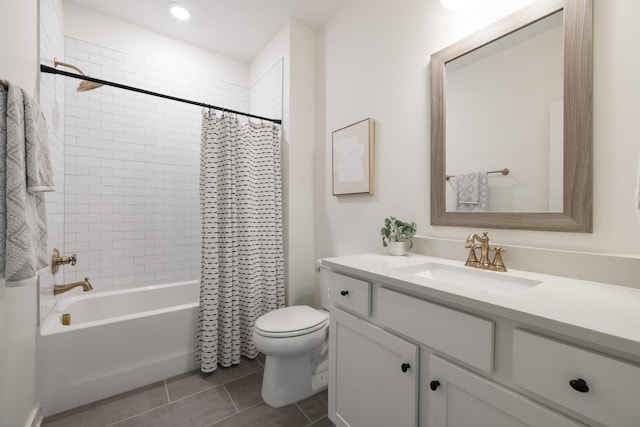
x,y
265,94
295,45
18,306
131,161
92,27
132,204
375,64
300,212
131,194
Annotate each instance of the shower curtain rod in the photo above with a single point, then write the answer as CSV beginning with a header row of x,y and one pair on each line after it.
x,y
51,70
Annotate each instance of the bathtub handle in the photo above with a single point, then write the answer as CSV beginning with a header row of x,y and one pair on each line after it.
x,y
57,260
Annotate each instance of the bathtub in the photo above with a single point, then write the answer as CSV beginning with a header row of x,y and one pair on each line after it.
x,y
117,340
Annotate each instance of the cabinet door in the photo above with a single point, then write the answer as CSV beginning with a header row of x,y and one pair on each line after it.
x,y
464,399
373,375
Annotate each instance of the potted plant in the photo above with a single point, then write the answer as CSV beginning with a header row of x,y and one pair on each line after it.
x,y
395,235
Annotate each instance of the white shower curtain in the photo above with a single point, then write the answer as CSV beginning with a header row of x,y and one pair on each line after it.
x,y
242,268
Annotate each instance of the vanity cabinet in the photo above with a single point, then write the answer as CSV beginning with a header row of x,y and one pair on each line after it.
x,y
373,375
401,358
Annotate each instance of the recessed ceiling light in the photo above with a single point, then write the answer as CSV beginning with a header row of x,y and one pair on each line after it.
x,y
454,4
179,11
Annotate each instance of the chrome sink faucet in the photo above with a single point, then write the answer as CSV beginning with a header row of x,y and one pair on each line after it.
x,y
472,261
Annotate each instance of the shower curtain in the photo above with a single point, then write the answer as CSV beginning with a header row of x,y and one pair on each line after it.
x,y
242,266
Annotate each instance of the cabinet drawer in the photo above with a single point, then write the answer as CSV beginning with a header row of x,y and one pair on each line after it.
x,y
463,336
546,367
350,293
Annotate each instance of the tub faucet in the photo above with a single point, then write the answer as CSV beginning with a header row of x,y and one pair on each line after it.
x,y
59,289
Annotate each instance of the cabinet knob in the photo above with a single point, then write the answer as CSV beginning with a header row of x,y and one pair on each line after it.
x,y
405,367
433,385
344,293
579,385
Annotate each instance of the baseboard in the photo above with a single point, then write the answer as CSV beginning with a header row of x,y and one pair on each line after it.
x,y
35,419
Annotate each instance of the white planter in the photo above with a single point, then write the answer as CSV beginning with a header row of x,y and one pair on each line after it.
x,y
397,248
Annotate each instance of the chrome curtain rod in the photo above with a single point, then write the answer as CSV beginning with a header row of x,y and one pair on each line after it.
x,y
51,70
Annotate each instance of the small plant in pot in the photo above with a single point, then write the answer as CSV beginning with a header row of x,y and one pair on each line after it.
x,y
395,235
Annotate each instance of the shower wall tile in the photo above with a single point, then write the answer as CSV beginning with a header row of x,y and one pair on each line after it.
x,y
132,208
266,93
53,106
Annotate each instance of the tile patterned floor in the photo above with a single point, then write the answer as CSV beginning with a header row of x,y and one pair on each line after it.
x,y
229,397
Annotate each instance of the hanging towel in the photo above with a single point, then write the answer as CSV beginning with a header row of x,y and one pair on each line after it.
x,y
26,173
472,192
38,163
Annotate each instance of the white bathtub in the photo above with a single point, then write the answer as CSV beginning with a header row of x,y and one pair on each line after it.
x,y
117,340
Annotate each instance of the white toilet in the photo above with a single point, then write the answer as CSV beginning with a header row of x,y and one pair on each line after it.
x,y
295,342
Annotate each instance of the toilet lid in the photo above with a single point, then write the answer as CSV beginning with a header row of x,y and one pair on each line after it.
x,y
291,321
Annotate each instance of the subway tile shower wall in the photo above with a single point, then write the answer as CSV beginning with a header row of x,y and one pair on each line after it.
x,y
52,104
132,207
266,93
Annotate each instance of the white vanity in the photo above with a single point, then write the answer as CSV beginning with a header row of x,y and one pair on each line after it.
x,y
423,341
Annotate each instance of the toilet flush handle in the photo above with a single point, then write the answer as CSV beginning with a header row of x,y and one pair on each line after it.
x,y
344,293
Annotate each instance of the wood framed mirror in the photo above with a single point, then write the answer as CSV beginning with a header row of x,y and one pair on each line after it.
x,y
572,209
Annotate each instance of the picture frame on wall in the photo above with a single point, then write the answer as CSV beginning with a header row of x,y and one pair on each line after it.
x,y
352,158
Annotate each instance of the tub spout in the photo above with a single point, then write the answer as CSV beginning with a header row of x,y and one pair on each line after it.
x,y
59,289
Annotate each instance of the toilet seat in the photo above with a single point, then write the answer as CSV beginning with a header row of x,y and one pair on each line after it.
x,y
291,321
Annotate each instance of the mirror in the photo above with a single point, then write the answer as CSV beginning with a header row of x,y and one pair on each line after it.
x,y
515,101
504,110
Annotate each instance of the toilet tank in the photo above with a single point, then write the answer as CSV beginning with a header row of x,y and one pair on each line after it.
x,y
324,281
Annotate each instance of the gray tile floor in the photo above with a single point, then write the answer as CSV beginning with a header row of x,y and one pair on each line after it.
x,y
229,397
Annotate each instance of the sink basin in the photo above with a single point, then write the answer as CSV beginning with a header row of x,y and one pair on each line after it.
x,y
469,277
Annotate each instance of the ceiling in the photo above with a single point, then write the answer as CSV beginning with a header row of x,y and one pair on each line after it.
x,y
236,28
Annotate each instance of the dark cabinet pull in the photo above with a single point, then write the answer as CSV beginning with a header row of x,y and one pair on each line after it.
x,y
344,293
405,367
579,385
433,385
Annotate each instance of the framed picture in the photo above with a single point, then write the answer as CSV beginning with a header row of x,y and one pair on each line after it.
x,y
353,158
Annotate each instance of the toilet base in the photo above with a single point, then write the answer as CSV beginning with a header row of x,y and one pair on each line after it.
x,y
289,380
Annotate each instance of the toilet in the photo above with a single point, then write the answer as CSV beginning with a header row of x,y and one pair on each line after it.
x,y
295,342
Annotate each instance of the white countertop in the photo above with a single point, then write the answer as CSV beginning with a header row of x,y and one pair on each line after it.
x,y
606,315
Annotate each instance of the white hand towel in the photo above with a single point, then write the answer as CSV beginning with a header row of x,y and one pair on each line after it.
x,y
26,172
472,192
